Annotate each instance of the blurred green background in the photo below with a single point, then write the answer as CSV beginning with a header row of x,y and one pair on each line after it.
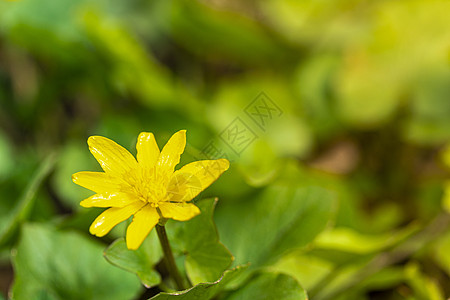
x,y
358,96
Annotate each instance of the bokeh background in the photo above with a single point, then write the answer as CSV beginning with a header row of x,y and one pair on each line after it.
x,y
358,102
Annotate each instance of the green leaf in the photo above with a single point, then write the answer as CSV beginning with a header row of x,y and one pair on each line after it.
x,y
441,251
24,205
140,261
423,286
349,240
73,158
50,264
204,291
428,123
131,64
234,37
6,157
315,74
279,219
270,285
386,278
446,199
446,155
306,268
206,257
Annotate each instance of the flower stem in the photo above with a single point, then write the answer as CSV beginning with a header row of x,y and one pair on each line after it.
x,y
168,255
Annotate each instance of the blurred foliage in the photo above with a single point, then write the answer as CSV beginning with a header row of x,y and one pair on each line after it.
x,y
340,189
48,266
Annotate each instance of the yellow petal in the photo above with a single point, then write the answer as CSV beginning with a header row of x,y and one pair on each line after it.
x,y
178,211
98,182
190,180
113,158
113,216
106,199
147,150
143,222
170,154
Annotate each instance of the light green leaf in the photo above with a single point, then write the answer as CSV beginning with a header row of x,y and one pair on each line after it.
x,y
446,198
204,291
424,287
442,250
25,204
206,257
307,269
386,278
140,261
51,264
270,285
349,240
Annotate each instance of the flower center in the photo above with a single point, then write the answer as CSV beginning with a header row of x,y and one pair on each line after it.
x,y
148,186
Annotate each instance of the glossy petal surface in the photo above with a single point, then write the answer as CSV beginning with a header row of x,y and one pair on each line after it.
x,y
131,187
147,150
113,216
178,211
193,178
98,182
106,199
113,158
170,154
143,222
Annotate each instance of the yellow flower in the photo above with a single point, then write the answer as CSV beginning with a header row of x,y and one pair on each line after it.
x,y
147,188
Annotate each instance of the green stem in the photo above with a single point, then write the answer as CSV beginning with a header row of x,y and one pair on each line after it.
x,y
168,255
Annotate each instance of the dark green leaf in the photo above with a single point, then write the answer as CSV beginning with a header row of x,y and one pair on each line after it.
x,y
206,257
281,218
269,285
25,204
74,158
203,291
52,264
6,157
140,261
235,38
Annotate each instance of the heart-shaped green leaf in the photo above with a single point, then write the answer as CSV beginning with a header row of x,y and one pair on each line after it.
x,y
279,219
206,257
140,261
203,291
269,285
51,264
